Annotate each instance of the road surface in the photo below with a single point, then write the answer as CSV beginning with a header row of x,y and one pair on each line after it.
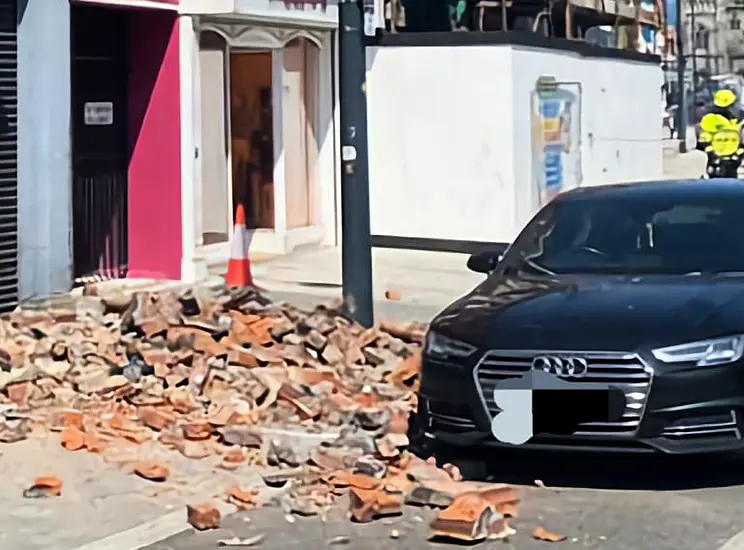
x,y
605,503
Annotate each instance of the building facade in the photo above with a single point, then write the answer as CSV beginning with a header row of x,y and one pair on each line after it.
x,y
143,124
99,150
704,39
714,35
731,30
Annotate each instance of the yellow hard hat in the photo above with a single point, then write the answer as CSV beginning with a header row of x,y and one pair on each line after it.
x,y
724,98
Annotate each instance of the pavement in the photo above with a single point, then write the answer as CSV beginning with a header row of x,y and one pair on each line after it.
x,y
687,165
423,282
598,501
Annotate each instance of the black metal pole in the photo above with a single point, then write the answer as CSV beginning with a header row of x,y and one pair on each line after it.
x,y
356,250
682,90
693,51
716,45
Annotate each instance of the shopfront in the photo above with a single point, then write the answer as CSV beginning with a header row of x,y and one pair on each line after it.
x,y
262,120
99,152
125,140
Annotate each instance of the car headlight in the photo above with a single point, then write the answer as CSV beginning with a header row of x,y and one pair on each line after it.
x,y
441,347
717,351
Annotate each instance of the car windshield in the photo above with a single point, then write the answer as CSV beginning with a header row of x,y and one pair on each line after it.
x,y
632,235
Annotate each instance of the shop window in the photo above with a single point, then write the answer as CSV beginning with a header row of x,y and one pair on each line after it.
x,y
215,199
299,120
252,137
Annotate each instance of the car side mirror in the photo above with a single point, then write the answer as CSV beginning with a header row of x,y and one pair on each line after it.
x,y
484,262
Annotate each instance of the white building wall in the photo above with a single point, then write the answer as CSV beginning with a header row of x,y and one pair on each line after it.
x,y
441,146
450,142
620,121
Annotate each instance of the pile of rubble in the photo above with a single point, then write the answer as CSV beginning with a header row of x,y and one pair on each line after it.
x,y
205,372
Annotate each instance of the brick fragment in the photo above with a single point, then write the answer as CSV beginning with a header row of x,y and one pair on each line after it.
x,y
203,516
368,504
72,439
152,471
156,418
393,295
19,393
469,518
543,534
197,431
45,486
242,498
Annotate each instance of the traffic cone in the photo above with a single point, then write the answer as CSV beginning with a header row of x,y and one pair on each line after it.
x,y
239,267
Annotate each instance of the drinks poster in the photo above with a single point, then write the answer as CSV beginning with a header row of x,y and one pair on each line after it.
x,y
556,135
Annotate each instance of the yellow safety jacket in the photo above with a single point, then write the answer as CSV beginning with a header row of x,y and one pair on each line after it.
x,y
720,136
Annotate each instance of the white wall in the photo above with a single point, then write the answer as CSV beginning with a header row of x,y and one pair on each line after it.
x,y
450,142
441,152
620,121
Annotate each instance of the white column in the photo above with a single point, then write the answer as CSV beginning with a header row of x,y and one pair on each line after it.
x,y
44,148
196,109
277,100
326,142
193,266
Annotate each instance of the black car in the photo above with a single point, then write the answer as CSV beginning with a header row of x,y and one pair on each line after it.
x,y
636,287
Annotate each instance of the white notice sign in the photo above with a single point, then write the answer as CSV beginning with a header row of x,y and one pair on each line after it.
x,y
98,113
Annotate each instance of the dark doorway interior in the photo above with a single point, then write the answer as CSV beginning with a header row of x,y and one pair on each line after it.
x,y
99,142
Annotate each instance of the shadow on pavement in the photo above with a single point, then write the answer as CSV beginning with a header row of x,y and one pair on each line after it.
x,y
599,470
590,470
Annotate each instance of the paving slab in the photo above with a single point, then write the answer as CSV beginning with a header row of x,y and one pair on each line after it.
x,y
100,498
687,165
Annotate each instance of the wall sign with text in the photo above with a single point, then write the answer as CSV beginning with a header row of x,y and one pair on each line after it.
x,y
98,113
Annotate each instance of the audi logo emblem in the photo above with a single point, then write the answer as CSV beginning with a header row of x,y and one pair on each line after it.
x,y
570,367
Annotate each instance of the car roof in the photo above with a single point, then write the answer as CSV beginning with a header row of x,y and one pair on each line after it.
x,y
684,189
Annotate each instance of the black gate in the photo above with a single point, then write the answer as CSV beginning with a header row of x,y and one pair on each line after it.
x,y
99,142
8,156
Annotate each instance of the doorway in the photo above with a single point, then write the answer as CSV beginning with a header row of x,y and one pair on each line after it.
x,y
252,136
99,142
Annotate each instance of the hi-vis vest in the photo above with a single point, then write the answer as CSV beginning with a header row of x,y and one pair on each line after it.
x,y
722,135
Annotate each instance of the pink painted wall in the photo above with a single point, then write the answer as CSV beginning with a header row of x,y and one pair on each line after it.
x,y
155,145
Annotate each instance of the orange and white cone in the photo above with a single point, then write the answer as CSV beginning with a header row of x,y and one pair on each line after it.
x,y
239,268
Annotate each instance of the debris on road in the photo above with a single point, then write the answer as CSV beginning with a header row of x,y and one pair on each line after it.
x,y
46,486
236,541
151,470
242,499
203,517
393,295
317,403
543,534
471,517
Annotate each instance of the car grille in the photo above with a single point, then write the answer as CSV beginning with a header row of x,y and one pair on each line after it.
x,y
623,371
